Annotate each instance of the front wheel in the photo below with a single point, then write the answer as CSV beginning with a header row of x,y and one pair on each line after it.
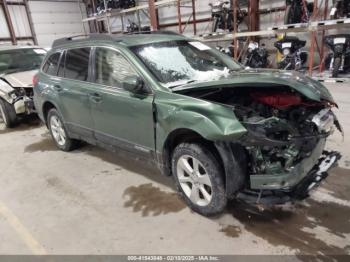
x,y
198,177
336,66
8,114
59,132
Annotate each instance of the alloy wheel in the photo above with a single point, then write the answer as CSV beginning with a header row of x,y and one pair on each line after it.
x,y
57,130
194,180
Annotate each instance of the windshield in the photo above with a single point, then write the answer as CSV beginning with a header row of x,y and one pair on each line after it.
x,y
179,62
17,60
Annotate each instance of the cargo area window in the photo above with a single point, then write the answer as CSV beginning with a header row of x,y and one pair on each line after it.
x,y
51,64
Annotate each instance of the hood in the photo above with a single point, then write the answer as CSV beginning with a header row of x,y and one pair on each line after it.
x,y
305,85
20,79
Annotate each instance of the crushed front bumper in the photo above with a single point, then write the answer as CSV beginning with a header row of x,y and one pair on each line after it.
x,y
300,190
24,105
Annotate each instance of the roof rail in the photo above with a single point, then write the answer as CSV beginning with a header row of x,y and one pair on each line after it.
x,y
159,32
65,40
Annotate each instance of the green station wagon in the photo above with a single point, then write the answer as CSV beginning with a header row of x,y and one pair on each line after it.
x,y
222,131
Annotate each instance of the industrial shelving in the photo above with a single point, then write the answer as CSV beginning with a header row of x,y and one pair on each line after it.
x,y
318,23
152,7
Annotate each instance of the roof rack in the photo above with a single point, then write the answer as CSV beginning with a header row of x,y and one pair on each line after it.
x,y
66,40
159,32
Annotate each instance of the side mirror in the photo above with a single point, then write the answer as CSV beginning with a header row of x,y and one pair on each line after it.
x,y
133,84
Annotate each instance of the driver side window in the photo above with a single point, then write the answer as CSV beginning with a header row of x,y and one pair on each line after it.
x,y
111,68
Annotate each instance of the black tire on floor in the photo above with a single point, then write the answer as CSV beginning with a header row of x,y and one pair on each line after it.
x,y
214,170
70,144
336,66
8,114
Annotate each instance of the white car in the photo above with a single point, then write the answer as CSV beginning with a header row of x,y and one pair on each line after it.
x,y
18,66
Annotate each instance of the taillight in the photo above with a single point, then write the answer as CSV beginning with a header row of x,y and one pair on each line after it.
x,y
35,79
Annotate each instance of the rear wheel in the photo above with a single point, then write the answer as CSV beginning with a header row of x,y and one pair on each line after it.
x,y
198,177
7,114
59,132
336,66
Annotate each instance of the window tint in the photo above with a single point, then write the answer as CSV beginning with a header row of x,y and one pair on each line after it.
x,y
111,67
77,64
51,64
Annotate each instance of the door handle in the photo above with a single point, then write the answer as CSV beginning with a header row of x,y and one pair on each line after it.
x,y
58,88
95,97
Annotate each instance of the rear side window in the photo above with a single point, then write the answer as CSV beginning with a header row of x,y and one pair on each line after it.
x,y
77,64
51,64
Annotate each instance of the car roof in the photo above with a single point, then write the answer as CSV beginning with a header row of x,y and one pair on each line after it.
x,y
16,47
126,39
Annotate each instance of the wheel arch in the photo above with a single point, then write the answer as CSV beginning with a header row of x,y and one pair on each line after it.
x,y
46,107
231,157
183,135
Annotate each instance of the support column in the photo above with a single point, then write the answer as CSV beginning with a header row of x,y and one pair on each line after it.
x,y
194,17
313,39
235,40
179,15
30,21
253,15
9,22
153,15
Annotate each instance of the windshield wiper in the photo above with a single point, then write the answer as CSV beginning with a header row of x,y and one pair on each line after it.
x,y
185,83
235,70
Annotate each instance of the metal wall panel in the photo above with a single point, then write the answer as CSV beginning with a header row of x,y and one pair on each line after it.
x,y
55,19
4,31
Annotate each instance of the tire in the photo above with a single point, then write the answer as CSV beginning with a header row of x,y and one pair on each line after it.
x,y
215,24
59,132
204,190
336,66
8,114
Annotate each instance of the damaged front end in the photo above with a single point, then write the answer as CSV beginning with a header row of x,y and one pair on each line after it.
x,y
285,143
284,146
20,97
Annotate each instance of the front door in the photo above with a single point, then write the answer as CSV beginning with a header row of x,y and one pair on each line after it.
x,y
121,118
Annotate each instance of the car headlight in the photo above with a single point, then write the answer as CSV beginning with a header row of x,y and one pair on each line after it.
x,y
13,95
286,51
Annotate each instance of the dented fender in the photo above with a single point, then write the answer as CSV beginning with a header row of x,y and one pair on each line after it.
x,y
212,121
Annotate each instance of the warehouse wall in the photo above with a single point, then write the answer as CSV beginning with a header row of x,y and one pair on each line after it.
x,y
51,19
56,19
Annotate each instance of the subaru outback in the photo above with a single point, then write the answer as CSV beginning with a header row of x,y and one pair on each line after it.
x,y
222,131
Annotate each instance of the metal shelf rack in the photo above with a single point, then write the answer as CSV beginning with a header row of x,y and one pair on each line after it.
x,y
313,27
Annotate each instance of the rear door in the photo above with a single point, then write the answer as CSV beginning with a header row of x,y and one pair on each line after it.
x,y
73,90
121,118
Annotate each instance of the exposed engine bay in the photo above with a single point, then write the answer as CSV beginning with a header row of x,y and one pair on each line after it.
x,y
284,127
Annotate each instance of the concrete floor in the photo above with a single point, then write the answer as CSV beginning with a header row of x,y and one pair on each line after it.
x,y
92,201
